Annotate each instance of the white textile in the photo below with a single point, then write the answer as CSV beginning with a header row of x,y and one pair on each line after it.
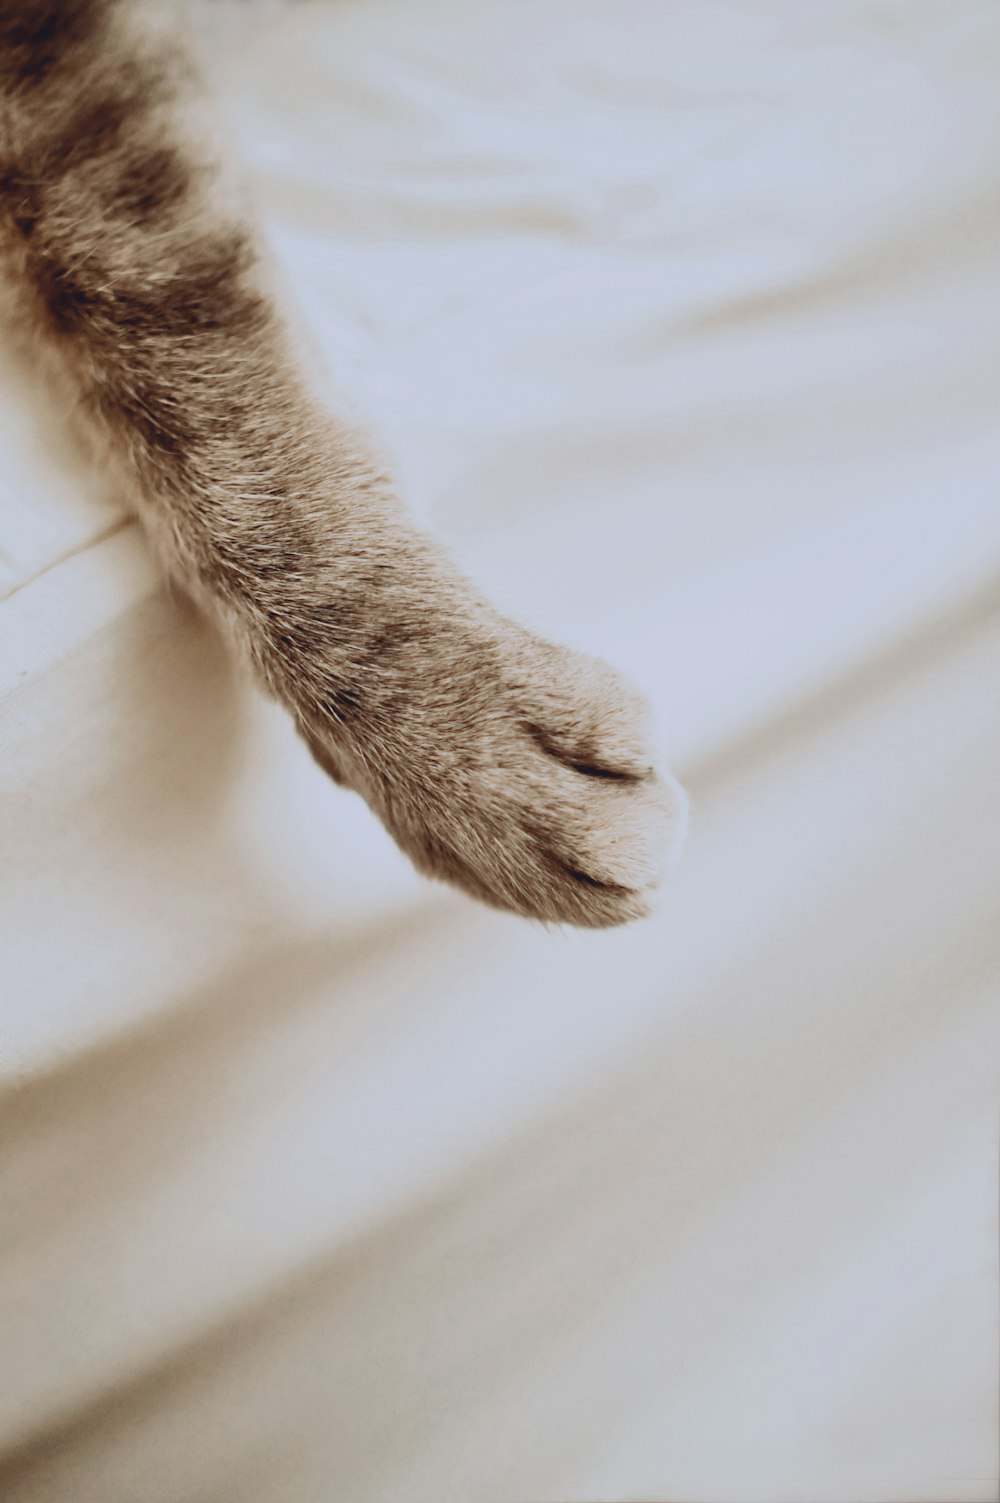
x,y
317,1182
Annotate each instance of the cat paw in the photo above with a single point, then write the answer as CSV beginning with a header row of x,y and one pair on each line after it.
x,y
524,773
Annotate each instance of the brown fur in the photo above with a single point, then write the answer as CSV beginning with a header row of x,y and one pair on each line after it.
x,y
519,770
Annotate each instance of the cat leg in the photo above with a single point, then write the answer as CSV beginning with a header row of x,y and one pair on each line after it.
x,y
521,771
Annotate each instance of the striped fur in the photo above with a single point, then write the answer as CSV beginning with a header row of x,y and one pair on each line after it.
x,y
514,768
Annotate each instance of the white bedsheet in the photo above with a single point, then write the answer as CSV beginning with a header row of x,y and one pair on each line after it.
x,y
317,1182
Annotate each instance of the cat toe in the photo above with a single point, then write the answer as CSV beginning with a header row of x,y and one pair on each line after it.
x,y
608,850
